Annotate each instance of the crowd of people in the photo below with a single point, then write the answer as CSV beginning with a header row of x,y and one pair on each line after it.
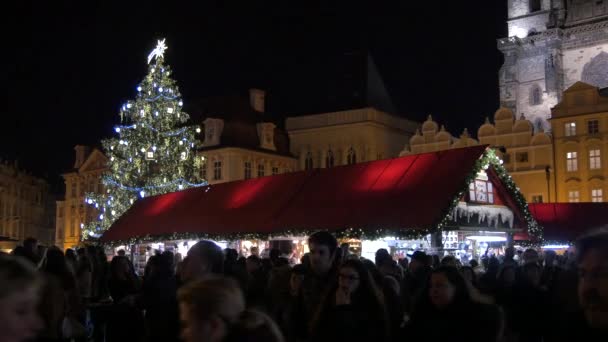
x,y
332,295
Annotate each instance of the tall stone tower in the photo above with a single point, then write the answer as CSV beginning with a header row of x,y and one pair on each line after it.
x,y
551,45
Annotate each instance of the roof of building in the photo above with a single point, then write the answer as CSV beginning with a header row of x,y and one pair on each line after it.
x,y
390,195
565,222
240,121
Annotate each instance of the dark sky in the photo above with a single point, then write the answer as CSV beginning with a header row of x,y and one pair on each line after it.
x,y
73,63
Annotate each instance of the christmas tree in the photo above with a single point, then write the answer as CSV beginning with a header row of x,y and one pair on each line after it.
x,y
154,151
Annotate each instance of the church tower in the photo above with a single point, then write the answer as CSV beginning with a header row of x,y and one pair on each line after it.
x,y
551,45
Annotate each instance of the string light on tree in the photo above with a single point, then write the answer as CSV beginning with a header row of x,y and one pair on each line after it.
x,y
147,157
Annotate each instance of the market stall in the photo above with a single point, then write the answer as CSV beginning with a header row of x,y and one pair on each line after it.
x,y
461,190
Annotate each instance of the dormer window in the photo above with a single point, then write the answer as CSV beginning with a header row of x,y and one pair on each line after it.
x,y
266,135
213,131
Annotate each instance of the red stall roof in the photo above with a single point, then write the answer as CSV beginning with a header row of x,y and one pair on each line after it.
x,y
564,222
411,192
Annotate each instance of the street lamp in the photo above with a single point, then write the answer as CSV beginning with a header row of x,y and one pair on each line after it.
x,y
548,176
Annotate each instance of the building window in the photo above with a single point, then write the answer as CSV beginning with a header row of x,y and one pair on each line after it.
x,y
329,159
308,161
597,195
204,171
593,127
481,191
595,161
73,186
536,96
73,227
570,129
352,157
571,162
535,5
275,171
573,196
217,170
537,198
522,157
260,170
247,170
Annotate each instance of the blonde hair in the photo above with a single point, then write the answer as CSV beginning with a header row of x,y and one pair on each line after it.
x,y
213,296
16,274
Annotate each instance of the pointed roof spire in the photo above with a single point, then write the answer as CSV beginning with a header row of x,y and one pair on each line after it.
x,y
487,120
465,132
442,128
429,118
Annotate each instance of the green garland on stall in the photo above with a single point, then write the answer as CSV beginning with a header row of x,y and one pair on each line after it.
x,y
488,159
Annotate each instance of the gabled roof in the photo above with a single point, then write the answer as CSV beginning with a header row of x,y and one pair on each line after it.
x,y
410,195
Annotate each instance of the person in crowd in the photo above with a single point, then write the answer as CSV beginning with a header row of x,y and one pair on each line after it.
x,y
70,258
84,274
214,310
414,278
126,320
504,296
257,280
469,275
204,258
344,249
121,252
487,282
254,251
159,299
509,258
530,256
382,256
323,248
550,270
446,305
353,308
30,248
277,290
19,297
60,299
530,303
449,260
404,263
389,283
590,321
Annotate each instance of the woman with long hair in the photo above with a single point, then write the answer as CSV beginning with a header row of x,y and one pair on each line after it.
x,y
447,302
353,309
61,300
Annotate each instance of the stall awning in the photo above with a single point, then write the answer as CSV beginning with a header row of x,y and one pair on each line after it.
x,y
410,192
564,222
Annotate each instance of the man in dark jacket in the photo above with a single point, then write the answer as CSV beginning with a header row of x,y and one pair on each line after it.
x,y
305,301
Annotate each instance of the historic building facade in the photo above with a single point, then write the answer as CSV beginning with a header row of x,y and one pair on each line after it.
x,y
551,45
73,212
26,208
346,137
580,130
240,142
525,154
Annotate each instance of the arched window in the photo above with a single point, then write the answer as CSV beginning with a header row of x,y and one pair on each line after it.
x,y
536,96
308,161
535,5
329,159
352,157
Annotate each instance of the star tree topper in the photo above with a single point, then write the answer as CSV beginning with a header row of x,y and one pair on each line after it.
x,y
158,51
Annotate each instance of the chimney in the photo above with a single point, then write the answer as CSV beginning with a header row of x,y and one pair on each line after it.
x,y
81,155
256,99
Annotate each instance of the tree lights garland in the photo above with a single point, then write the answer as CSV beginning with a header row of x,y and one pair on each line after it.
x,y
154,151
488,159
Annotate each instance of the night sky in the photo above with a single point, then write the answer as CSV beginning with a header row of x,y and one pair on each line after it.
x,y
73,63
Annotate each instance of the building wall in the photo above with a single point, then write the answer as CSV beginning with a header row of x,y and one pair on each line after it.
x,y
370,133
551,49
233,161
582,103
526,154
24,207
73,212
